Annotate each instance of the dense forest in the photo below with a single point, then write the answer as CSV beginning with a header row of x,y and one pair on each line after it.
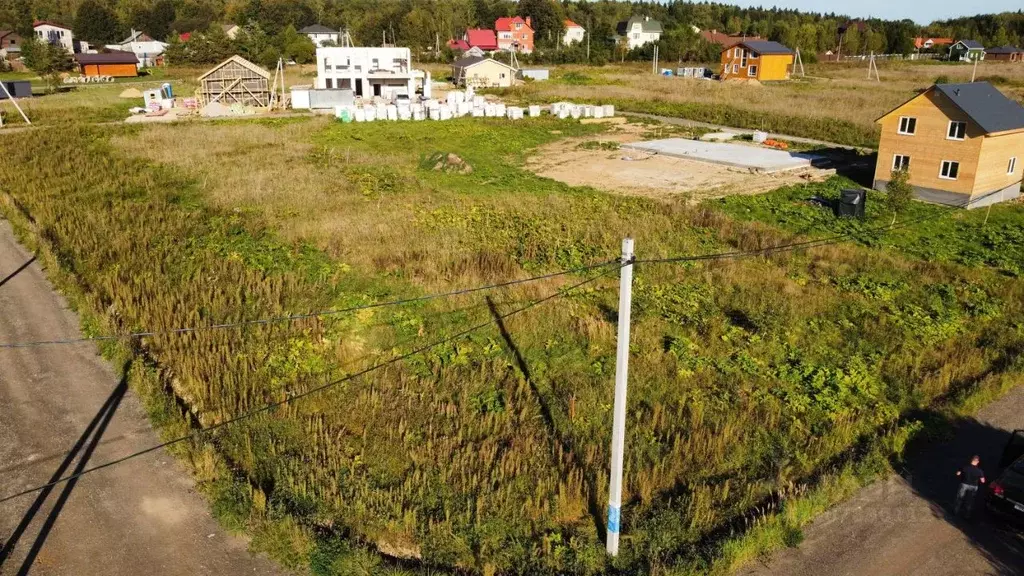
x,y
425,25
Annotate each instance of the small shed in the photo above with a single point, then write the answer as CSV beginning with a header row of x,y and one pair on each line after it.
x,y
16,88
115,63
535,73
480,72
236,81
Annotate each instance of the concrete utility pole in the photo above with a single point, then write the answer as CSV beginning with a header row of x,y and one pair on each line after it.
x,y
15,102
619,414
975,71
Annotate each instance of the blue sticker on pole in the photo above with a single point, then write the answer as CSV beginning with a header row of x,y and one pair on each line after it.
x,y
613,519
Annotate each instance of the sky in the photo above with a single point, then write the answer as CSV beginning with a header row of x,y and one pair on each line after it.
x,y
920,11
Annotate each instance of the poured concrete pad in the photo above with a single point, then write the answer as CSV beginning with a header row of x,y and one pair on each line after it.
x,y
737,155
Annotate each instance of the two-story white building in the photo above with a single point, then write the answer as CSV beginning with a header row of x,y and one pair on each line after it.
x,y
367,71
320,35
147,50
53,33
573,33
638,31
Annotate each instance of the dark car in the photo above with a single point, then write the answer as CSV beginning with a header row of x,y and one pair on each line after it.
x,y
1006,492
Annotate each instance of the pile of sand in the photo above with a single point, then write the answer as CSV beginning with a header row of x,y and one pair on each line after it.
x,y
130,93
216,110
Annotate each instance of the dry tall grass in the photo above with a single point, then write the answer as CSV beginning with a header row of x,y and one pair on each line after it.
x,y
748,377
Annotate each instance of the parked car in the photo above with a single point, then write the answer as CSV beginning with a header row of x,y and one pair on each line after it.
x,y
1006,492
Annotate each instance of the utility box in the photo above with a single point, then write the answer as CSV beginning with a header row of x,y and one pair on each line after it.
x,y
851,203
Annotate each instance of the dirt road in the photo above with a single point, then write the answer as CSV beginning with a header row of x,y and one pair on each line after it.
x,y
140,517
902,526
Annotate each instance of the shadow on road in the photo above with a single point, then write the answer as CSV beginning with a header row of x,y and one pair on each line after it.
x,y
20,269
930,469
83,449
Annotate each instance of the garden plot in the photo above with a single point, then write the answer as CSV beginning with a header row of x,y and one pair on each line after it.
x,y
608,163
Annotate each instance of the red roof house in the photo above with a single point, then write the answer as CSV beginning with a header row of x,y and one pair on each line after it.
x,y
514,33
482,39
920,43
725,40
458,45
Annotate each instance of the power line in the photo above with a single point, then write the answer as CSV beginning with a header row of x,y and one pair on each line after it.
x,y
672,259
306,316
299,396
814,243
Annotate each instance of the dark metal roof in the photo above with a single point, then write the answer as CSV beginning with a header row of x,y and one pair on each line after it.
x,y
986,106
972,44
317,29
647,25
999,50
112,57
765,47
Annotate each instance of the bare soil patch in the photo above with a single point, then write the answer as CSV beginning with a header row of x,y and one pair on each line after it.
x,y
596,162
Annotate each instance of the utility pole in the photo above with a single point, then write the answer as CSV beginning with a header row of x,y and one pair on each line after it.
x,y
975,71
587,32
13,101
619,413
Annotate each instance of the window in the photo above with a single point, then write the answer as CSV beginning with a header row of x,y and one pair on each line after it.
x,y
957,130
636,36
908,125
737,52
329,83
735,68
900,162
752,70
949,170
1012,167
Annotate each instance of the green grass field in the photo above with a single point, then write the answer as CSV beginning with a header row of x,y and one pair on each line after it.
x,y
761,387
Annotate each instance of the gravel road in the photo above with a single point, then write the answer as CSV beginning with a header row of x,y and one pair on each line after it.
x,y
902,526
140,517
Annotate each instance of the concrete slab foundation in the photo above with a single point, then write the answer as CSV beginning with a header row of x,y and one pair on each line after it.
x,y
736,155
979,200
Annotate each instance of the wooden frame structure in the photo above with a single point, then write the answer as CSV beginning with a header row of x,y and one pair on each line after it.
x,y
236,81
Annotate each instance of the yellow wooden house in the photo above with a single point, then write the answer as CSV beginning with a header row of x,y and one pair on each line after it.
x,y
961,145
757,60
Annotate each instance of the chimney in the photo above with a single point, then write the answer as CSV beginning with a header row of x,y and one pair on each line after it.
x,y
528,22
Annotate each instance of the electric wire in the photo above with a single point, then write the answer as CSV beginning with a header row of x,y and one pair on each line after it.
x,y
298,396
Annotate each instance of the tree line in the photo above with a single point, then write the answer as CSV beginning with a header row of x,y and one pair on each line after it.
x,y
426,25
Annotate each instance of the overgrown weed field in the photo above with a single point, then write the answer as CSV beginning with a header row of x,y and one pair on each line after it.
x,y
761,388
835,102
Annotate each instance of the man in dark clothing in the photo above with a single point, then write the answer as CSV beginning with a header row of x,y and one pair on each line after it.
x,y
971,477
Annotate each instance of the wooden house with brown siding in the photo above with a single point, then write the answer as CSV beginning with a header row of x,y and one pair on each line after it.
x,y
236,81
961,144
114,63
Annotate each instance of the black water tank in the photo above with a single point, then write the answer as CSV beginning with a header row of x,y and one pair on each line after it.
x,y
851,203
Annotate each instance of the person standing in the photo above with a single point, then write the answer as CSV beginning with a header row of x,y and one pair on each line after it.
x,y
971,478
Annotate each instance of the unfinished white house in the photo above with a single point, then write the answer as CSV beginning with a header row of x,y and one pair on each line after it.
x,y
385,72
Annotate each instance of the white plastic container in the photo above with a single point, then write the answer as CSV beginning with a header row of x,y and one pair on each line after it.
x,y
576,112
490,110
418,114
444,112
359,115
499,110
404,113
598,112
609,110
534,111
588,111
463,108
391,111
478,112
371,113
479,101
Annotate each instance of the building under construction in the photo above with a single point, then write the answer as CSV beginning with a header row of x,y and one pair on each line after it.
x,y
236,81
